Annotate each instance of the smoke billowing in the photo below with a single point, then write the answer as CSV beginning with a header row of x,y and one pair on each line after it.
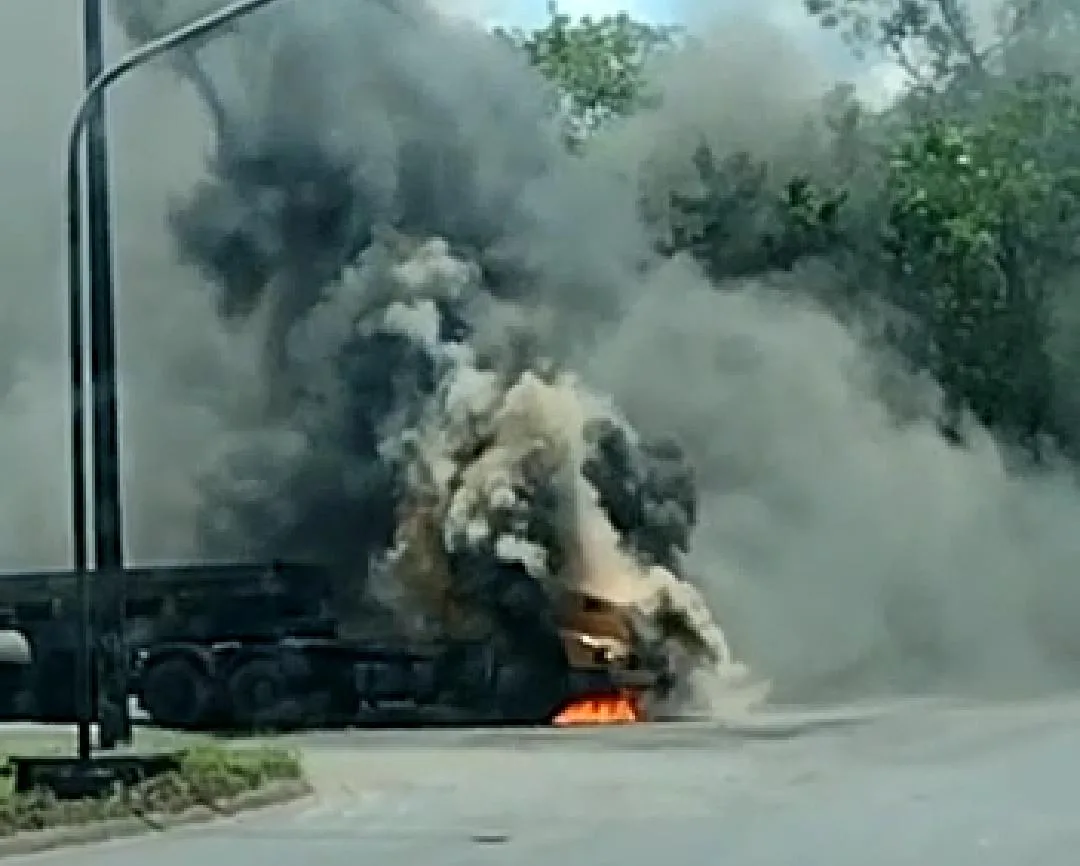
x,y
420,256
183,379
409,335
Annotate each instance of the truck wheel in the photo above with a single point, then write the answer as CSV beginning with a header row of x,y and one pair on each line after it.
x,y
258,693
526,693
176,694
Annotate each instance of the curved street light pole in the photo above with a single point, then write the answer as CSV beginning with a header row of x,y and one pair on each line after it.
x,y
200,27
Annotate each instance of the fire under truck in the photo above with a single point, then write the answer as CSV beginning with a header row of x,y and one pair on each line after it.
x,y
258,647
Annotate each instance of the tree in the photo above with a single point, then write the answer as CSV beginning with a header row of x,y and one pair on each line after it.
x,y
598,65
958,211
978,199
937,43
739,224
931,40
978,220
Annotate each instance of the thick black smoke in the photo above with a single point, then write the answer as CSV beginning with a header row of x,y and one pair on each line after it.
x,y
390,204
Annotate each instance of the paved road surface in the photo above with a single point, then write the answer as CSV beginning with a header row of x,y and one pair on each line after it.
x,y
927,787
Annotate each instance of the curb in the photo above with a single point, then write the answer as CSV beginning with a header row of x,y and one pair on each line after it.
x,y
37,841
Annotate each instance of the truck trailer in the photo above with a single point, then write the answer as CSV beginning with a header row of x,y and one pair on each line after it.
x,y
259,647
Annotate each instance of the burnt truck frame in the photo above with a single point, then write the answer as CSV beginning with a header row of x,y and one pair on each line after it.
x,y
257,647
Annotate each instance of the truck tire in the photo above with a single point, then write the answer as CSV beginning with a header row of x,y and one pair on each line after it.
x,y
527,693
259,695
177,693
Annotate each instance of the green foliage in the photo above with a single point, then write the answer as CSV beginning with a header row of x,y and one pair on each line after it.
x,y
975,214
932,40
598,65
207,775
978,218
214,773
737,223
960,205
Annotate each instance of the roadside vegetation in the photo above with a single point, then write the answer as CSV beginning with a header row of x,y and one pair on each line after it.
x,y
949,210
211,777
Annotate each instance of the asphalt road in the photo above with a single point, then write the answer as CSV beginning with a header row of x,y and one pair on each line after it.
x,y
922,784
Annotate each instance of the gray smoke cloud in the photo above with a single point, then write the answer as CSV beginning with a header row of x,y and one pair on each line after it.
x,y
308,382
843,552
183,377
420,427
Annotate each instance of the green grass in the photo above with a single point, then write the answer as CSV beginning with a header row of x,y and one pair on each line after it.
x,y
208,775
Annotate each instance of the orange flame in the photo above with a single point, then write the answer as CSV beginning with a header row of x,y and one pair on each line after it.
x,y
619,709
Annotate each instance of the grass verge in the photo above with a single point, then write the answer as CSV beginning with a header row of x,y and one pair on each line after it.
x,y
209,777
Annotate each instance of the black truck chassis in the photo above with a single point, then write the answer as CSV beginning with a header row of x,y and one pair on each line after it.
x,y
254,646
326,682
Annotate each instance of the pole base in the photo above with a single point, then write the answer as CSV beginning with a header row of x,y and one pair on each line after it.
x,y
70,778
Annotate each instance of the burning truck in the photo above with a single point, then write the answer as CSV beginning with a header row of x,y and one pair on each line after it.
x,y
390,212
517,508
522,580
261,647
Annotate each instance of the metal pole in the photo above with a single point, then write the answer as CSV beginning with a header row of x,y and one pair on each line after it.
x,y
108,525
90,113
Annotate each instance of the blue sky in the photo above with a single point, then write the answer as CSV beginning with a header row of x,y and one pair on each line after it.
x,y
875,83
525,13
656,10
528,13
